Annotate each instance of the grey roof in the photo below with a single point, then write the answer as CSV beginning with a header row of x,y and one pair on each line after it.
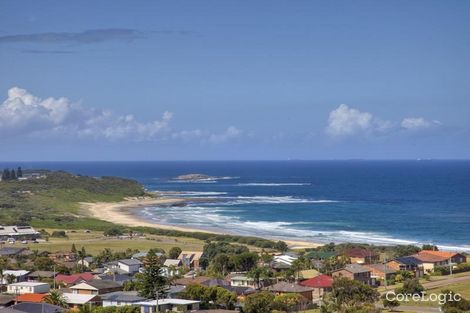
x,y
176,289
215,282
288,287
30,307
408,260
356,268
382,268
130,262
11,250
103,284
89,259
123,296
119,278
44,274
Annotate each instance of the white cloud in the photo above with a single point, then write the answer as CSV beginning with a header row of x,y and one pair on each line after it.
x,y
412,123
22,113
230,133
344,121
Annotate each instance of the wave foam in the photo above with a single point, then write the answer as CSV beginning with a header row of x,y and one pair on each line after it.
x,y
273,200
274,184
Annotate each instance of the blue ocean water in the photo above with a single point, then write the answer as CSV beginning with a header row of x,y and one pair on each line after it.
x,y
382,202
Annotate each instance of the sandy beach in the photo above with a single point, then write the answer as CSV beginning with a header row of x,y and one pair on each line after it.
x,y
121,213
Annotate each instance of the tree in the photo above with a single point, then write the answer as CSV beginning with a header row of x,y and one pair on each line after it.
x,y
10,278
73,249
347,295
12,174
113,231
430,247
174,252
410,287
390,304
6,174
43,263
259,303
56,298
287,302
19,172
151,282
454,306
259,274
221,264
245,261
281,246
81,256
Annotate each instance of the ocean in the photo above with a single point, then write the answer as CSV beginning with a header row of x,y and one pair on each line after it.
x,y
377,202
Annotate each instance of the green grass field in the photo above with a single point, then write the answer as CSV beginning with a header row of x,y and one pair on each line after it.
x,y
95,242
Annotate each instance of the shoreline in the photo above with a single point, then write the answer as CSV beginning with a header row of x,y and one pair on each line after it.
x,y
122,213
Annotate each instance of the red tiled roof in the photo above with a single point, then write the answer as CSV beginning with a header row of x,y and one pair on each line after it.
x,y
442,254
320,281
31,297
71,279
360,253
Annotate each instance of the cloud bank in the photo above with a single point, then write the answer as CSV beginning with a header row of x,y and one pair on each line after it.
x,y
345,121
24,114
85,37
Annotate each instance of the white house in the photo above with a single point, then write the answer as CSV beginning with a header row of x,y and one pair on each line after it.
x,y
87,261
28,287
171,267
20,275
165,305
125,266
284,259
121,298
242,281
77,300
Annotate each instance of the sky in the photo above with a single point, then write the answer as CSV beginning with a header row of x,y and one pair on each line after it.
x,y
234,80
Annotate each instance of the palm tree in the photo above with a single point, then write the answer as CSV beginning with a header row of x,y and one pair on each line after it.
x,y
82,255
56,298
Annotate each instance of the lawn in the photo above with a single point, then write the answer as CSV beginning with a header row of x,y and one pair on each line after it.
x,y
95,242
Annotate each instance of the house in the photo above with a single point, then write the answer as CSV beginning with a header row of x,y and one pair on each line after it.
x,y
18,233
242,280
119,278
355,272
380,271
164,305
31,307
13,251
283,287
31,297
432,259
75,300
27,287
190,259
191,281
19,276
121,298
65,256
407,263
171,267
87,261
286,259
69,280
320,284
125,266
362,256
38,275
96,287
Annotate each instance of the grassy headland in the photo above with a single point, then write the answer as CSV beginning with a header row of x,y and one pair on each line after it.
x,y
55,202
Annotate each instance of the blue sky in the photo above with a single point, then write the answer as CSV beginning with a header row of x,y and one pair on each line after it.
x,y
149,80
